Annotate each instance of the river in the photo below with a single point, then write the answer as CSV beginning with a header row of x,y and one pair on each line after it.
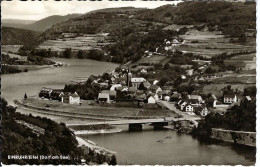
x,y
131,147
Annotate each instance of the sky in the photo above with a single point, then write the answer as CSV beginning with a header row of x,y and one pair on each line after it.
x,y
36,10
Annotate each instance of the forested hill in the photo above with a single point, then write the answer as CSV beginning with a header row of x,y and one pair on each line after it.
x,y
229,17
119,10
48,22
16,36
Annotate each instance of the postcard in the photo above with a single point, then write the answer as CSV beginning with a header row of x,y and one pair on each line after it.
x,y
128,82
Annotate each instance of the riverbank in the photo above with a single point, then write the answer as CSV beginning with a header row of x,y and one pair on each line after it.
x,y
238,137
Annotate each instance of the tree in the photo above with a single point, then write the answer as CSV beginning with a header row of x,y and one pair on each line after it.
x,y
80,54
142,87
166,66
67,53
113,160
163,81
25,96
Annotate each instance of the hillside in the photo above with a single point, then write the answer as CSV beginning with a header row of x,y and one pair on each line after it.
x,y
231,18
48,22
15,23
15,36
131,31
119,10
29,135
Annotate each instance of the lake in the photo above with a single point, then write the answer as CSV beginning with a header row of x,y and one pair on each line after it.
x,y
131,147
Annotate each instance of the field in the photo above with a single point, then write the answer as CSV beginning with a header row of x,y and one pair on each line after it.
x,y
82,42
155,59
209,43
216,88
246,61
117,109
10,48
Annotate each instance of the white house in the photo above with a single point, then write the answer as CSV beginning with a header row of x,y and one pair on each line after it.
x,y
137,81
204,111
188,108
182,104
167,98
104,97
230,98
71,98
151,100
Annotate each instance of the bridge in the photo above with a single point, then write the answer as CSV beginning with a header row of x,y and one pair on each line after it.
x,y
137,124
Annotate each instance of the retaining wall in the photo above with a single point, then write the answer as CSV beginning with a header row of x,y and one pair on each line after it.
x,y
239,137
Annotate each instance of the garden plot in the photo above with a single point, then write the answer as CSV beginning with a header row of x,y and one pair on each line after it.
x,y
85,42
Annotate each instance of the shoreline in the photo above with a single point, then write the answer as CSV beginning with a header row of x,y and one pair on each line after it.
x,y
93,132
102,131
93,146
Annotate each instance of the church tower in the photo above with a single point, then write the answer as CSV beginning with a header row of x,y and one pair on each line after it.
x,y
129,76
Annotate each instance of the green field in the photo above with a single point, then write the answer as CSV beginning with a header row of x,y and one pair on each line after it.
x,y
82,42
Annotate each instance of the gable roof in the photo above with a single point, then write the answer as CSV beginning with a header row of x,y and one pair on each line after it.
x,y
230,95
67,94
141,97
132,89
248,98
146,84
198,97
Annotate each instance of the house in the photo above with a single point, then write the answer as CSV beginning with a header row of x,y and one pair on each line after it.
x,y
115,86
248,98
143,71
55,94
202,110
151,100
167,98
189,72
147,84
103,97
188,108
132,90
140,98
45,92
137,81
164,94
183,77
71,98
182,104
121,80
195,97
112,94
230,98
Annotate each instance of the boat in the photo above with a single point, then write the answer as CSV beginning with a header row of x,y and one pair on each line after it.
x,y
160,141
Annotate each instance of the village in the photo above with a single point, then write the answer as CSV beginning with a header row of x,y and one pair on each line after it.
x,y
127,84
